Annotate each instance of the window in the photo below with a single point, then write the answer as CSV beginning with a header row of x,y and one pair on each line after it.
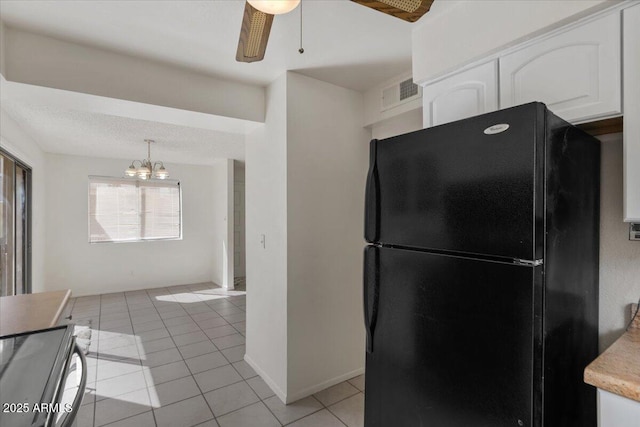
x,y
15,226
126,210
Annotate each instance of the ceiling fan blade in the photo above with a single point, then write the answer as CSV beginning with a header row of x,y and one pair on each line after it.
x,y
254,34
408,10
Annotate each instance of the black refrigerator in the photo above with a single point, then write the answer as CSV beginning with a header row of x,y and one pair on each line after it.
x,y
481,277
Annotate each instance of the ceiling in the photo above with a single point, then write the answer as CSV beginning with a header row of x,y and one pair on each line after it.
x,y
345,43
100,135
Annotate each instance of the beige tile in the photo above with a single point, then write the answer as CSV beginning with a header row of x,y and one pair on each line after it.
x,y
190,338
113,368
206,362
199,317
84,418
228,341
173,391
358,382
230,398
234,354
260,387
212,322
124,406
117,386
183,329
322,418
336,393
180,320
185,413
148,326
244,369
163,373
293,411
143,420
162,357
210,423
217,378
149,347
220,331
256,415
350,411
197,349
152,335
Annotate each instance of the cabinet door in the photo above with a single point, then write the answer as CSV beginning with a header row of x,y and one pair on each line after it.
x,y
631,135
463,95
576,73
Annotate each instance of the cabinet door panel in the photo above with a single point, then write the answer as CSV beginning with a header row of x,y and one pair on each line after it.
x,y
576,73
631,135
463,95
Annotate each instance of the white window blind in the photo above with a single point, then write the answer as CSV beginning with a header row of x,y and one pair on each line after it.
x,y
126,210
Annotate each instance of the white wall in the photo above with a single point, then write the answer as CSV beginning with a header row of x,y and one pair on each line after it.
x,y
86,269
327,161
373,101
404,123
266,214
14,140
222,220
305,177
45,61
457,32
619,257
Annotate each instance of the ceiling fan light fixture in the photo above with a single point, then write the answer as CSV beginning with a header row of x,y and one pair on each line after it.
x,y
274,7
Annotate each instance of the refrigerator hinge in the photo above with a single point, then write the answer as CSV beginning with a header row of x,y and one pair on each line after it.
x,y
530,263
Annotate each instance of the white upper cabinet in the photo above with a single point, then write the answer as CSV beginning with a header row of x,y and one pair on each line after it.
x,y
631,134
469,93
576,73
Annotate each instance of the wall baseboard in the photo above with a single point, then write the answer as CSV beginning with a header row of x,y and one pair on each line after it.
x,y
266,378
308,391
111,290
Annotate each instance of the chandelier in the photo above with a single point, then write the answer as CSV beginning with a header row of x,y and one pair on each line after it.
x,y
147,168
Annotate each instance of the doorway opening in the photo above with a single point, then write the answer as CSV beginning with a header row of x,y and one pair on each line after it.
x,y
239,273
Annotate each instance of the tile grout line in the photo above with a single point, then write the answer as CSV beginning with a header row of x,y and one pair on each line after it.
x,y
183,360
230,364
144,377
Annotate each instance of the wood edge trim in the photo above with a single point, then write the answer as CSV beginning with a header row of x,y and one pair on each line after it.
x,y
65,301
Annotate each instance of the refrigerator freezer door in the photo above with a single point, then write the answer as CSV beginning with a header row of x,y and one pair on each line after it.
x,y
454,342
474,186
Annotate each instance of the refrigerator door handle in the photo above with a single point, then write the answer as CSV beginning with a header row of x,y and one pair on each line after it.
x,y
372,197
371,292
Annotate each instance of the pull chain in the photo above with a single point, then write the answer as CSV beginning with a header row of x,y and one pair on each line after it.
x,y
301,50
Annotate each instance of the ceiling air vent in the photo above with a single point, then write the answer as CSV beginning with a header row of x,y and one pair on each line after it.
x,y
400,93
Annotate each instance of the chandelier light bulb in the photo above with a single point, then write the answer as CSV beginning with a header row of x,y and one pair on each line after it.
x,y
274,7
131,171
147,169
162,173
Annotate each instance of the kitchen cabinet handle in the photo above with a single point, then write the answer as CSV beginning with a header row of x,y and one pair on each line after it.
x,y
372,196
371,292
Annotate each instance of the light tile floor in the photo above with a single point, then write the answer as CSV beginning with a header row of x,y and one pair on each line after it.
x,y
174,357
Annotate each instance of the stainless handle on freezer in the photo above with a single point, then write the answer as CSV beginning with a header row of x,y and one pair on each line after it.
x,y
372,197
70,416
371,292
